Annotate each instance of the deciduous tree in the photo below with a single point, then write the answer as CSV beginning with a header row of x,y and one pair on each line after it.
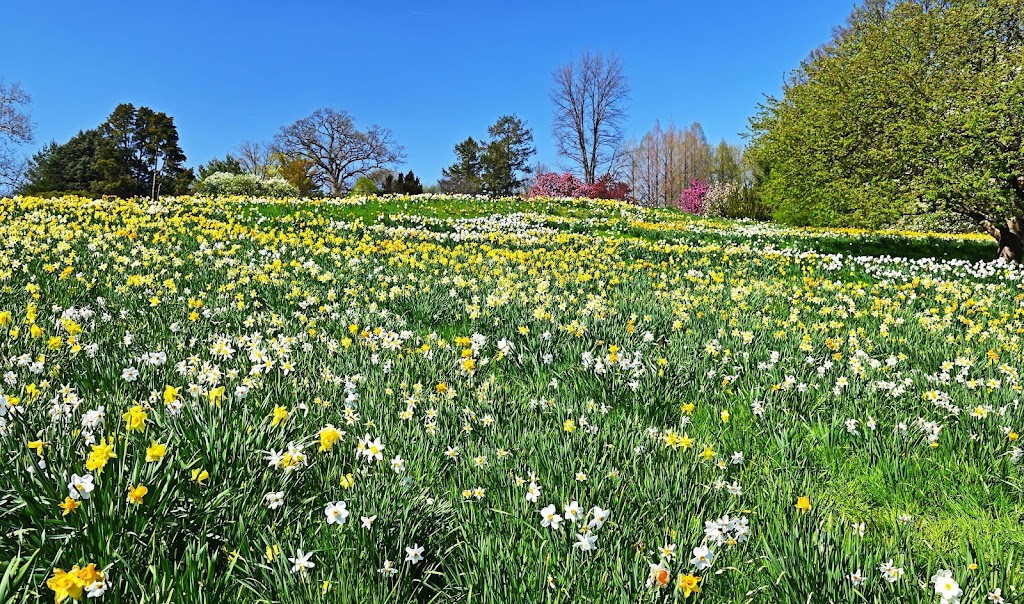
x,y
913,106
255,157
591,97
15,129
338,151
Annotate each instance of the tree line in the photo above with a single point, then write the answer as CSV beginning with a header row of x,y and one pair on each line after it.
x,y
136,152
911,113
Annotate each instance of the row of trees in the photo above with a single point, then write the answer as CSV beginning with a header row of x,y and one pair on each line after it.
x,y
136,152
664,161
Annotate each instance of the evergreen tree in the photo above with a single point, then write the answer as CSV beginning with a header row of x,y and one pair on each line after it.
x,y
506,158
229,165
69,167
134,152
139,154
412,185
464,176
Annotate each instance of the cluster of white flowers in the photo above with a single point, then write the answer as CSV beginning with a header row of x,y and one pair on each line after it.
x,y
589,522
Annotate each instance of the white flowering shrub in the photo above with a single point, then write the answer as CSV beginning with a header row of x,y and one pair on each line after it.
x,y
225,183
716,200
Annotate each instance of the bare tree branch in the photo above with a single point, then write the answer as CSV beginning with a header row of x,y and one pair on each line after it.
x,y
255,157
338,151
15,129
590,98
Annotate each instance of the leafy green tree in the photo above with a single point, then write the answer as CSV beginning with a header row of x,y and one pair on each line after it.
x,y
466,174
134,152
297,170
364,186
70,167
228,165
976,163
913,106
726,163
505,160
139,153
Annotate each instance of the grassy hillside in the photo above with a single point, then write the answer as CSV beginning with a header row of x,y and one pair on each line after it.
x,y
559,401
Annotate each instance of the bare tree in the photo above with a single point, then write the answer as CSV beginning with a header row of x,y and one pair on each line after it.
x,y
329,140
590,97
255,157
666,161
15,129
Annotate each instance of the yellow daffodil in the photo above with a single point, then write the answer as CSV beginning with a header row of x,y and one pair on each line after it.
x,y
155,452
136,493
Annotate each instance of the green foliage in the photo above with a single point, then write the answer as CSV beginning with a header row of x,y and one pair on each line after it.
x,y
506,156
495,167
67,167
228,164
138,153
726,163
911,103
135,152
364,186
465,175
403,184
296,170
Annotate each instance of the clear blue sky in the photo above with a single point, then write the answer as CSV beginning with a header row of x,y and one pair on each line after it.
x,y
433,72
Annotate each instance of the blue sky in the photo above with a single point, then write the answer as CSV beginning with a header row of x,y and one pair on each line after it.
x,y
433,72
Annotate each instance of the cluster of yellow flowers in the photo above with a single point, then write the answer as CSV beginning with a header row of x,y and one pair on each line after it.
x,y
77,582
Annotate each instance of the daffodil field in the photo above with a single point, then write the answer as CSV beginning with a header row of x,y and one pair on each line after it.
x,y
450,399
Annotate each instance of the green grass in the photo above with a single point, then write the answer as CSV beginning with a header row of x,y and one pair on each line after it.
x,y
720,314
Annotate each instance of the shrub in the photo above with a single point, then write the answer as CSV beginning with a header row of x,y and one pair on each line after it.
x,y
607,188
692,198
364,186
717,199
225,183
552,184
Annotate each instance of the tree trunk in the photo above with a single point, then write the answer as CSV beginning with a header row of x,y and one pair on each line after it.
x,y
1011,248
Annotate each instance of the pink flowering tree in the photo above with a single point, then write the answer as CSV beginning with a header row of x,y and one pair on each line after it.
x,y
553,184
608,188
692,198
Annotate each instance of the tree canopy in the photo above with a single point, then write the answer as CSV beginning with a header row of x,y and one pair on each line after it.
x,y
135,152
494,167
591,98
336,150
913,106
